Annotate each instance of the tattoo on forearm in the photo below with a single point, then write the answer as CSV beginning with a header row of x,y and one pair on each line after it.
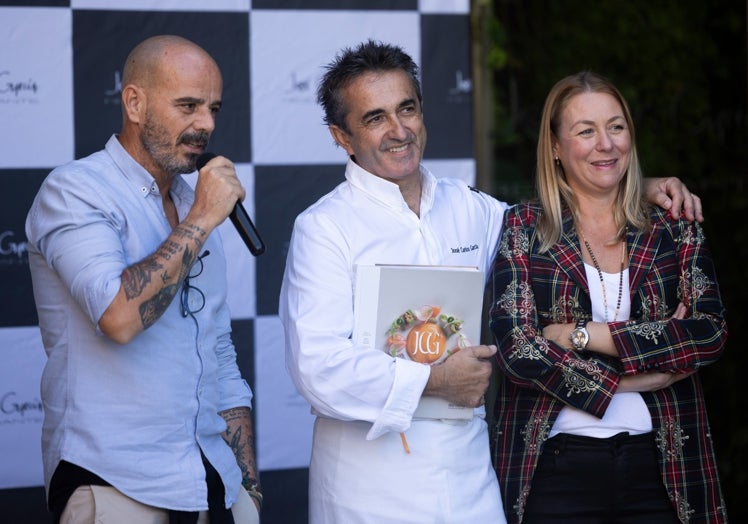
x,y
152,309
168,249
136,278
239,436
191,232
188,258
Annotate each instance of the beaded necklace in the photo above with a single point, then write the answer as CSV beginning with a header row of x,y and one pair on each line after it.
x,y
602,280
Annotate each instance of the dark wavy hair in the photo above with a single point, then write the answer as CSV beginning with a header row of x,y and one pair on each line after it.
x,y
349,64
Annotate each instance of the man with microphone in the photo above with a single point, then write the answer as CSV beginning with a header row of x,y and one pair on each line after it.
x,y
147,417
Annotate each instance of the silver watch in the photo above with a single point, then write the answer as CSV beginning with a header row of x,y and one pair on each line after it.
x,y
580,336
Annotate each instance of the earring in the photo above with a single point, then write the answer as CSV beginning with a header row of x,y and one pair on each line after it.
x,y
557,161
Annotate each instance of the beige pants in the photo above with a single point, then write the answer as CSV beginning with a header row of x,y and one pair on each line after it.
x,y
106,505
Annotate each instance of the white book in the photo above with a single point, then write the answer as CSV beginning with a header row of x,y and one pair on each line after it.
x,y
421,313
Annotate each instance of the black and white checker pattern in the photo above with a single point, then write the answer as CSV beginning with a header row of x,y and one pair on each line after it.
x,y
60,73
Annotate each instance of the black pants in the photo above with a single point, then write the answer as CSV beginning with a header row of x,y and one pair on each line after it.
x,y
585,480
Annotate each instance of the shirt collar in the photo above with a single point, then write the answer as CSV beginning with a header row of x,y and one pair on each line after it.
x,y
388,192
143,181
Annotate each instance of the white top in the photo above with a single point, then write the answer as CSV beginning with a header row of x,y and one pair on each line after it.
x,y
366,221
626,411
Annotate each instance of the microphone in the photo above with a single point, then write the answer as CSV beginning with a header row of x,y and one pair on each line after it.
x,y
239,216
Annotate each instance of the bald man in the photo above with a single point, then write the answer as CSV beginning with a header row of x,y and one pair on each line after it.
x,y
147,417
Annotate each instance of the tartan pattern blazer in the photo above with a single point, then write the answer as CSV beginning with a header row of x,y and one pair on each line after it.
x,y
668,264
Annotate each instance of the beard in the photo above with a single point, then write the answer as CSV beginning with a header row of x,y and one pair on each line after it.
x,y
155,140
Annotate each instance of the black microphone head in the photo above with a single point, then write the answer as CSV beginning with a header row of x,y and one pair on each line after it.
x,y
204,159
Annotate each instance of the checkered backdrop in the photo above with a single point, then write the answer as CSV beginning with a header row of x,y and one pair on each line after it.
x,y
60,80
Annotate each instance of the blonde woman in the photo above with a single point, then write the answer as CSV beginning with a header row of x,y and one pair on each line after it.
x,y
603,309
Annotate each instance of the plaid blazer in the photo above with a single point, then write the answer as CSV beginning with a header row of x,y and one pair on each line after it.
x,y
668,264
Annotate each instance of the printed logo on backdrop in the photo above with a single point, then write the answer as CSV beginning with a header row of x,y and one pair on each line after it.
x,y
17,306
462,89
299,89
112,95
17,90
35,87
18,408
12,248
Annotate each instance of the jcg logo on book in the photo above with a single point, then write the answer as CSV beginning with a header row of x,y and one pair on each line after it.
x,y
425,335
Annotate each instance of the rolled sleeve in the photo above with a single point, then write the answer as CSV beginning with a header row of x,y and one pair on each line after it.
x,y
397,414
79,240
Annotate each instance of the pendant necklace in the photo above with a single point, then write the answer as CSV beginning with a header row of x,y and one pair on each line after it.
x,y
602,280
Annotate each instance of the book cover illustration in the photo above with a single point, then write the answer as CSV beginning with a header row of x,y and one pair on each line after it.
x,y
425,335
420,313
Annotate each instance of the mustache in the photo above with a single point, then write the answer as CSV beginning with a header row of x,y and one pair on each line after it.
x,y
199,138
410,138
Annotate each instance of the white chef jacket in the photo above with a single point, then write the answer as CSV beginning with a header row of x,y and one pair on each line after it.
x,y
363,397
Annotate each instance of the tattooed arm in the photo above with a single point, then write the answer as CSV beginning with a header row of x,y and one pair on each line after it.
x,y
240,437
149,286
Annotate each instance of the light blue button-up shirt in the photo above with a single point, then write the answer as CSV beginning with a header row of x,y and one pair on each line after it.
x,y
137,414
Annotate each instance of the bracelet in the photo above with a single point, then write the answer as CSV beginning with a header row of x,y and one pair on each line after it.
x,y
256,495
251,486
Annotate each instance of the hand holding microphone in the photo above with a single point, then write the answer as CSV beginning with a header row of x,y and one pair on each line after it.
x,y
239,217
